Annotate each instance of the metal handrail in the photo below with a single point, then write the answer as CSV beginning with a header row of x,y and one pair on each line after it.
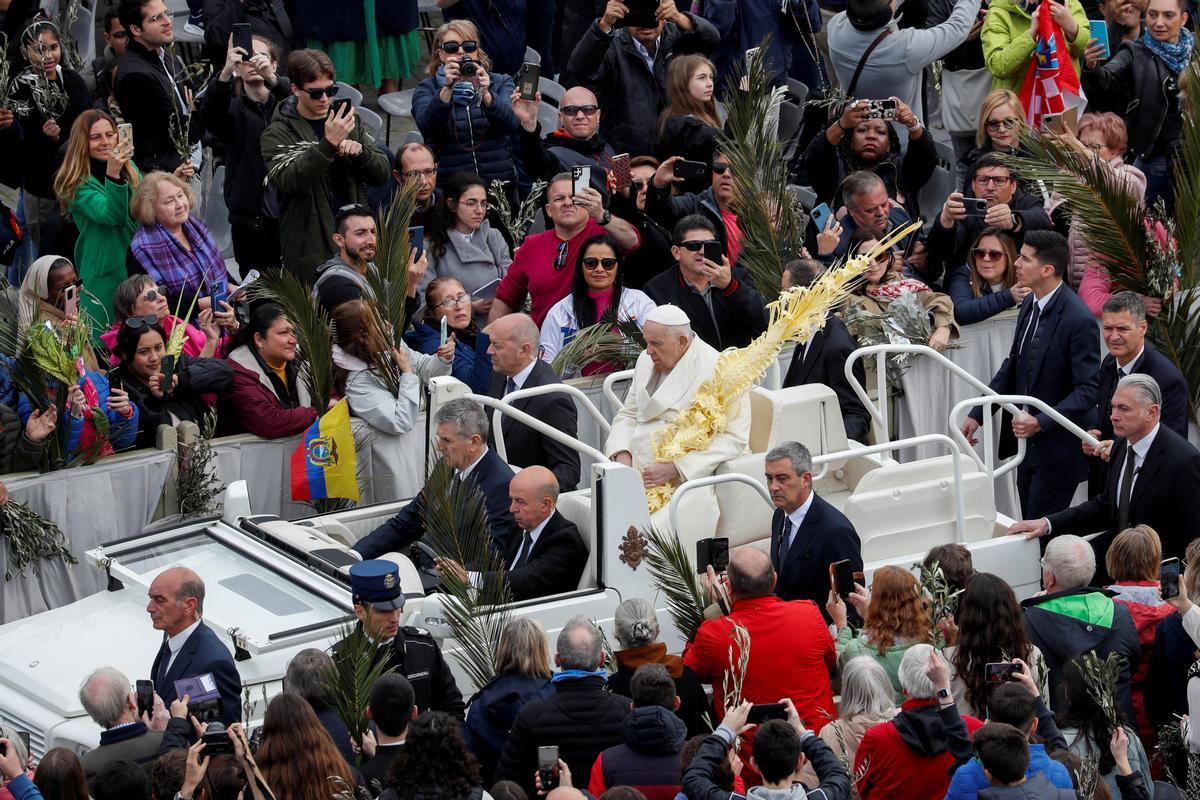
x,y
960,507
537,391
609,380
538,425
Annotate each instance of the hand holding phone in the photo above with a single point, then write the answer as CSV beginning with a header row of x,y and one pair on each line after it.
x,y
620,171
145,698
548,768
243,37
528,79
820,216
71,301
762,712
445,331
581,178
1000,671
1099,32
1169,578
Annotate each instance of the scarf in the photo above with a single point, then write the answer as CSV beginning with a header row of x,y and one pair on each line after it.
x,y
576,674
655,653
1175,56
893,289
198,271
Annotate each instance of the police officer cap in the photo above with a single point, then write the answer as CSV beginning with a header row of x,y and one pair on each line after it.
x,y
377,582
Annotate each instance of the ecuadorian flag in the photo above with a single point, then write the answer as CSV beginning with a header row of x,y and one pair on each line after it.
x,y
323,466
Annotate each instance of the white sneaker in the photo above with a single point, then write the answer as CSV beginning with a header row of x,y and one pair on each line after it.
x,y
194,26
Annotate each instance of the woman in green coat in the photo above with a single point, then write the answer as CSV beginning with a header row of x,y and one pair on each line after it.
x,y
1009,37
95,185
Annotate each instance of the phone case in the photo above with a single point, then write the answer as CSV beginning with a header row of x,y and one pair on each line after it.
x,y
581,177
620,170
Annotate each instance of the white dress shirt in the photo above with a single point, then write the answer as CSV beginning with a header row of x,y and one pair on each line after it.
x,y
176,642
1140,450
797,517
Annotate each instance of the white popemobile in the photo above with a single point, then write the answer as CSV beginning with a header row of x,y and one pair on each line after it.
x,y
275,587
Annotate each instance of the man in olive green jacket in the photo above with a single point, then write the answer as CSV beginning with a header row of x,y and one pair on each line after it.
x,y
318,158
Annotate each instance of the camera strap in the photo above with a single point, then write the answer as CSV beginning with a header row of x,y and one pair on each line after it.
x,y
862,62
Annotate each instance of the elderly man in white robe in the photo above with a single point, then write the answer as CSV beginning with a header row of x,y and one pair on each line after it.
x,y
665,381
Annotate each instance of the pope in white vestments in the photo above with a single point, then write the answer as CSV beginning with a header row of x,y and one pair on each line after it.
x,y
665,380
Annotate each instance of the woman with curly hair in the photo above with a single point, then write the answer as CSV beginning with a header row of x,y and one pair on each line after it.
x,y
434,763
297,757
896,617
991,627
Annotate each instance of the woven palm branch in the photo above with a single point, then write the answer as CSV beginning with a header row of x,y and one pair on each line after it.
x,y
673,573
301,306
611,340
388,282
770,217
795,316
456,525
357,664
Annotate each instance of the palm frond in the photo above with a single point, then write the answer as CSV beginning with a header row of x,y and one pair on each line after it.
x,y
770,217
388,282
301,306
673,573
456,524
357,663
31,538
614,341
1100,675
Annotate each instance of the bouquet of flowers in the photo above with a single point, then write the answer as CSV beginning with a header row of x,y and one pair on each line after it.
x,y
1162,256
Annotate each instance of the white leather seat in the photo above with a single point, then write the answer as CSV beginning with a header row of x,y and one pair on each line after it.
x,y
577,507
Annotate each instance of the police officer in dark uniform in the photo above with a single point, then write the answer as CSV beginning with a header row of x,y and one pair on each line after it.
x,y
412,652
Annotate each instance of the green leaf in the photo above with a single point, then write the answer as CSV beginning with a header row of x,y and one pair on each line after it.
x,y
673,574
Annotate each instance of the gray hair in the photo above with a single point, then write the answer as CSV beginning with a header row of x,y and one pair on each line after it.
x,y
467,417
866,689
562,176
308,675
579,645
104,694
860,182
635,623
192,588
792,451
1071,560
1125,301
1144,385
913,680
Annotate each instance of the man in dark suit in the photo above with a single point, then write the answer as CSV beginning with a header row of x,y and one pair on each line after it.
x,y
1158,486
190,648
823,358
515,365
807,533
549,556
1055,359
462,429
1124,324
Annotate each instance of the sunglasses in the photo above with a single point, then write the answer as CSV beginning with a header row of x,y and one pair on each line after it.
x,y
453,47
571,111
560,260
591,262
136,323
720,169
153,294
696,246
987,255
317,94
1001,124
637,186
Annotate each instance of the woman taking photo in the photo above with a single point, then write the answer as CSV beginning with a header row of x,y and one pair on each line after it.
x,y
268,397
463,110
596,289
44,297
161,400
95,185
690,124
463,245
434,763
1149,70
986,284
1001,122
172,246
296,755
445,298
140,297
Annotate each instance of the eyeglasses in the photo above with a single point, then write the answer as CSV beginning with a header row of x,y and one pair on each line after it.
x,y
455,302
1002,124
136,323
987,255
697,245
560,260
994,180
475,204
591,262
637,186
120,35
354,210
720,169
572,111
153,294
317,94
413,174
453,47
158,18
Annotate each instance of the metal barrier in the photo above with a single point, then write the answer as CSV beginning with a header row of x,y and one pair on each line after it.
x,y
537,391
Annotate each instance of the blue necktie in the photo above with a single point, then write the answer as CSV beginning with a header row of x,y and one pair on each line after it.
x,y
785,542
510,386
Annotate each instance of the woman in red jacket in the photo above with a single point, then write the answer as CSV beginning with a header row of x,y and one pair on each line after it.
x,y
268,397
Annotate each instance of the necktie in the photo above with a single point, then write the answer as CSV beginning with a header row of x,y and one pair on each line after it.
x,y
526,547
1031,327
785,542
164,660
510,386
1127,476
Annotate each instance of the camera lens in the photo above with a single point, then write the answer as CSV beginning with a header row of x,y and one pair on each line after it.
x,y
469,67
215,726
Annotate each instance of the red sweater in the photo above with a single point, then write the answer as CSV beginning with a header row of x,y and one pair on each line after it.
x,y
894,771
250,407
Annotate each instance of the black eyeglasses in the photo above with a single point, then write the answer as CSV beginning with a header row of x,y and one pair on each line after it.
x,y
148,321
720,169
317,94
697,246
571,111
453,47
560,260
637,186
591,262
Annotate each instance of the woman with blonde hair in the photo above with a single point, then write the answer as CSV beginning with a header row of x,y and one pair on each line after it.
x,y
522,675
1001,122
690,123
986,285
95,185
463,110
896,617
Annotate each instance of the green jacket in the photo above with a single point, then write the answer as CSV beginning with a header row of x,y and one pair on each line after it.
x,y
850,645
304,185
1008,47
101,212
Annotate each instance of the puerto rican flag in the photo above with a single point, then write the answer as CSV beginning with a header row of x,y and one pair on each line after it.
x,y
1051,84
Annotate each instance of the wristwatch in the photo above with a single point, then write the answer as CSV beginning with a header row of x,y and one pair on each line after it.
x,y
607,218
944,694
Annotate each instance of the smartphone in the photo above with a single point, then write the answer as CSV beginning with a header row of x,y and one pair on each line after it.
x,y
751,54
124,133
548,767
713,252
1053,123
243,38
445,331
622,178
882,109
761,712
712,552
1169,578
1099,30
841,577
821,215
581,178
145,697
1000,671
976,206
416,238
690,170
217,296
527,80
640,14
71,301
25,740
339,104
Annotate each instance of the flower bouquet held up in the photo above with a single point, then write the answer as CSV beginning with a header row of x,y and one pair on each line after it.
x,y
1162,267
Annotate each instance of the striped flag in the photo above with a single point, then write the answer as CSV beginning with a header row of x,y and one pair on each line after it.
x,y
1051,74
324,464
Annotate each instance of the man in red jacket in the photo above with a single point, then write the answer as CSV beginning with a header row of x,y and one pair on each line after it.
x,y
791,651
913,756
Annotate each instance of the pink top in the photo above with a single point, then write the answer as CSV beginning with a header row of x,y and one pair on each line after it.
x,y
733,234
193,339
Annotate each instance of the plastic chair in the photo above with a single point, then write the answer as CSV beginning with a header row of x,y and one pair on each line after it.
x,y
372,121
798,91
414,137
346,90
396,104
547,117
532,56
552,92
790,118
